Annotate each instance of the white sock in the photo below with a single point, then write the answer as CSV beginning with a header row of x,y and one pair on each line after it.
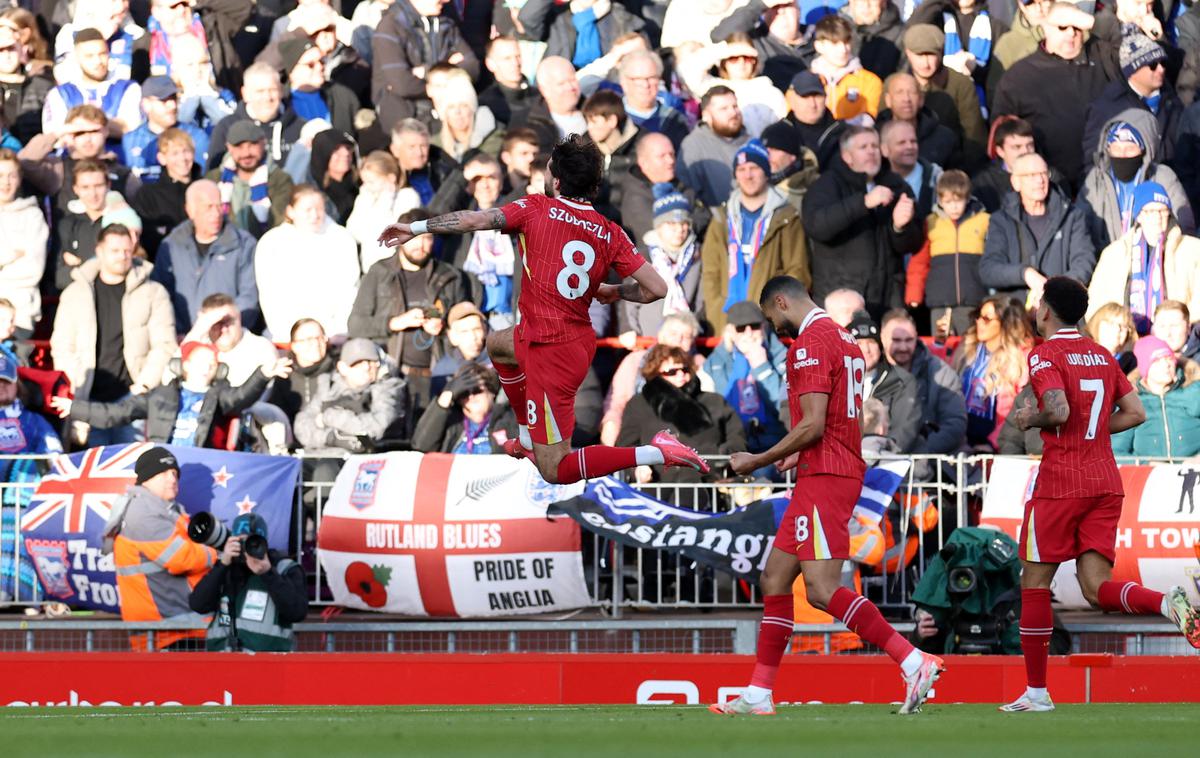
x,y
1165,608
912,662
648,455
1037,693
753,694
523,436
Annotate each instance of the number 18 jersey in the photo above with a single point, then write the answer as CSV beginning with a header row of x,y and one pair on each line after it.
x,y
1077,460
825,359
566,248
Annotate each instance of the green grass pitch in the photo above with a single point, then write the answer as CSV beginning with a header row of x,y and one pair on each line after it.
x,y
970,731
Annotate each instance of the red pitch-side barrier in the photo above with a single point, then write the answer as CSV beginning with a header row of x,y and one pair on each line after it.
x,y
130,679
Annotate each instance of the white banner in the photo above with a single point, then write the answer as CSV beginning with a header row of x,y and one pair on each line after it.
x,y
1156,537
449,535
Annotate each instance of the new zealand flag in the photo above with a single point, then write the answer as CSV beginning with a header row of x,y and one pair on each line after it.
x,y
63,525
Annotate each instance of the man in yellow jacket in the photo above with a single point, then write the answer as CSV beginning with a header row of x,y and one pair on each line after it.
x,y
157,565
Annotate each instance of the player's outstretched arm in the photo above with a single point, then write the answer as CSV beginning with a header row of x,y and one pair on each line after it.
x,y
1055,411
458,222
1130,413
647,286
810,429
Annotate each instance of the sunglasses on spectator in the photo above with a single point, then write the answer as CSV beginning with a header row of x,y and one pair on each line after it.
x,y
743,328
987,319
677,371
742,58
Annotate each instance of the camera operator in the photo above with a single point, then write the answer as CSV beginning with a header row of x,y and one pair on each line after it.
x,y
255,599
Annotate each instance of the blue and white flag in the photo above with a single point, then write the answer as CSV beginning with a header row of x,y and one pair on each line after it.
x,y
62,527
736,541
879,487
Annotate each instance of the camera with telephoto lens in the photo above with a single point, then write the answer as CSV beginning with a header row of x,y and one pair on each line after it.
x,y
207,529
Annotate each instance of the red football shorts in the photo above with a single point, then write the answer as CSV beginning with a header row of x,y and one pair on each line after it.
x,y
553,373
816,524
1062,529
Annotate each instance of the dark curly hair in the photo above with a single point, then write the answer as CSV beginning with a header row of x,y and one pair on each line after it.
x,y
660,354
578,166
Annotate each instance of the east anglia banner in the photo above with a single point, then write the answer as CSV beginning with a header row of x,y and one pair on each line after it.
x,y
449,535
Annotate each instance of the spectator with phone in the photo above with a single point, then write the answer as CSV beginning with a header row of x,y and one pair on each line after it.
x,y
401,306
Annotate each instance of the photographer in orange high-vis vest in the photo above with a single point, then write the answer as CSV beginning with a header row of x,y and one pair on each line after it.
x,y
157,565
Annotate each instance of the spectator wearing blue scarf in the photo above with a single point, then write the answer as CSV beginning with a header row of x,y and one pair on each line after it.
x,y
756,235
1153,262
1127,157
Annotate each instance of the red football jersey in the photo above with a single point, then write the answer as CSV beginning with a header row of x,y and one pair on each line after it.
x,y
567,249
1077,460
825,358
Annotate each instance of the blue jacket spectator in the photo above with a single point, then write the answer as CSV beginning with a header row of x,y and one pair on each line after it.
x,y
160,104
192,269
748,370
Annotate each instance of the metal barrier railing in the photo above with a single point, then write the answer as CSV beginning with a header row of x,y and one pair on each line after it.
x,y
618,577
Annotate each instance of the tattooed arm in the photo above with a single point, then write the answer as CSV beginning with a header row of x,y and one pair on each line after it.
x,y
1055,411
458,222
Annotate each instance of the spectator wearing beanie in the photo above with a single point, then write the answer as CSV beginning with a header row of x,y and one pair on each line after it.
x,y
157,565
1154,261
1126,158
674,251
313,95
1143,86
1172,401
754,236
793,167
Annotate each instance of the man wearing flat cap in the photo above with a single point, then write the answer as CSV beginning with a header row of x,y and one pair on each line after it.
x,y
949,94
254,191
1051,89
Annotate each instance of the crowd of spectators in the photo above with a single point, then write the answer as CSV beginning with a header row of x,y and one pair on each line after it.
x,y
191,193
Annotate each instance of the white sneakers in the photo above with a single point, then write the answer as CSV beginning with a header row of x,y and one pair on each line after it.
x,y
919,684
740,706
1027,703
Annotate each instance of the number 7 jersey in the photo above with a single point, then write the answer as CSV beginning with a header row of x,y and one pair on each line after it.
x,y
825,359
566,248
1077,460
